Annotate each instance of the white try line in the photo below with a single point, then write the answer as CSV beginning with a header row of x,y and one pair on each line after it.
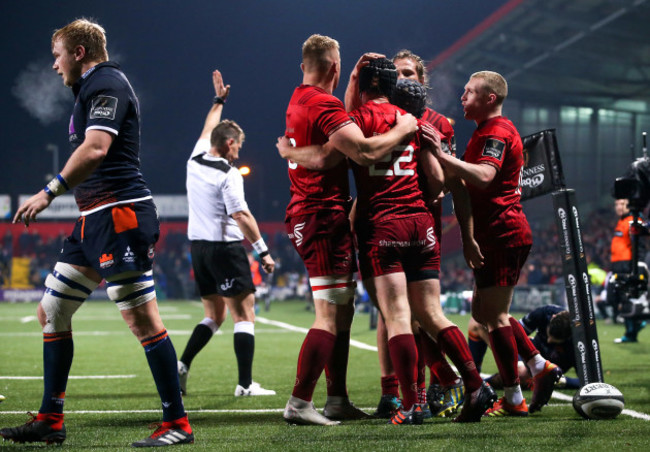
x,y
71,377
632,413
299,329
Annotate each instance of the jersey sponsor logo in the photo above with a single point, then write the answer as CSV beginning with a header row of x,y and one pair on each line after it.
x,y
106,260
129,256
493,148
297,233
227,284
103,107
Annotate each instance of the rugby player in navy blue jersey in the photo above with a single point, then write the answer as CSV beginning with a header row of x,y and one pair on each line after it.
x,y
113,239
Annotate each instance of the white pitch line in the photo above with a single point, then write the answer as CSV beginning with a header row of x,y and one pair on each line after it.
x,y
270,410
29,318
71,377
632,413
298,329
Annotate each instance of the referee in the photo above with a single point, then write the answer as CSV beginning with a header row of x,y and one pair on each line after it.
x,y
219,220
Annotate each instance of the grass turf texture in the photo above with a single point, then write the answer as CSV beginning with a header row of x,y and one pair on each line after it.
x,y
104,346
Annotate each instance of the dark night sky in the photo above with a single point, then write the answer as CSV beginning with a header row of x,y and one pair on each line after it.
x,y
168,50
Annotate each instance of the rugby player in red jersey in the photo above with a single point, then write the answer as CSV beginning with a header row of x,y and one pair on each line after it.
x,y
446,390
491,168
318,226
398,250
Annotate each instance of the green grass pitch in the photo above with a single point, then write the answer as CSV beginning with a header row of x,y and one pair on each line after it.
x,y
107,414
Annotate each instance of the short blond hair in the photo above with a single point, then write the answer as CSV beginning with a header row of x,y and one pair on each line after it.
x,y
225,130
493,83
315,52
86,33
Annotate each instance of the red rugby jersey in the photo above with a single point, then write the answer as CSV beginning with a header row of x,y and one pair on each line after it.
x,y
498,218
441,123
312,116
388,189
448,140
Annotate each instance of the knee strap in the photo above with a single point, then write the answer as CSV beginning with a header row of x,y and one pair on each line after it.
x,y
65,290
337,290
131,289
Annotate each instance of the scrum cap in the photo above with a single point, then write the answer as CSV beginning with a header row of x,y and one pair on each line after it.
x,y
379,77
410,95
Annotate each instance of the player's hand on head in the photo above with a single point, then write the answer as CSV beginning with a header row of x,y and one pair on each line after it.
x,y
27,212
364,60
220,89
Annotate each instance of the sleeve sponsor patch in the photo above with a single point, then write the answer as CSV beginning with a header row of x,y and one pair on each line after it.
x,y
103,107
493,148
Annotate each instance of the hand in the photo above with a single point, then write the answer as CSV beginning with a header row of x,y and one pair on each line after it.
x,y
283,145
408,123
472,254
268,264
30,208
219,88
431,138
363,61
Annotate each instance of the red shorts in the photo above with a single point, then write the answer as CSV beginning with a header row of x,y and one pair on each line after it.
x,y
502,267
405,245
324,242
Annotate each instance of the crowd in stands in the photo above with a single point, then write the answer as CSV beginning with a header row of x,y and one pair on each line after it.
x,y
173,270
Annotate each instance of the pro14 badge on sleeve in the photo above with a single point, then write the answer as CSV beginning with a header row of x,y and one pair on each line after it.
x,y
103,107
493,148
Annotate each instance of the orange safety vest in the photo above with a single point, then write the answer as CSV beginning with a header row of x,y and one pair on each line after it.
x,y
621,249
255,273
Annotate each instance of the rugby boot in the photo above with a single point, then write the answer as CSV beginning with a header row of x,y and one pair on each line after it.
x,y
168,434
414,416
37,429
503,408
387,407
301,412
341,409
254,389
477,403
543,384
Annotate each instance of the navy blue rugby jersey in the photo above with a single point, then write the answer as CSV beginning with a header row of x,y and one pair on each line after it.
x,y
105,100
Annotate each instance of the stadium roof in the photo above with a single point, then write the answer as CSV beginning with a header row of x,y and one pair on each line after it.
x,y
593,53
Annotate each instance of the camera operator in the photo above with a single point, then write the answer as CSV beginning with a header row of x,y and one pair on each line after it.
x,y
621,263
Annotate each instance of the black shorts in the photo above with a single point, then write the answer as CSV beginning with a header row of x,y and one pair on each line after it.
x,y
221,268
114,240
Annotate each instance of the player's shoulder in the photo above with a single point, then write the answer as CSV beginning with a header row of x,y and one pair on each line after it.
x,y
312,95
499,126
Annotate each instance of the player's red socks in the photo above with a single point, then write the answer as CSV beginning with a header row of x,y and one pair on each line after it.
x,y
315,352
182,423
336,369
441,372
525,346
504,349
390,385
55,420
404,356
453,343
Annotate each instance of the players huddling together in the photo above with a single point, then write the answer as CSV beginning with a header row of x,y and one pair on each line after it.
x,y
402,155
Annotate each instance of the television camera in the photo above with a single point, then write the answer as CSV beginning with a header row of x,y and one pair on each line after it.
x,y
635,187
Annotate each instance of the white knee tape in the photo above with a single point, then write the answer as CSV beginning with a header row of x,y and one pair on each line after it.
x,y
131,289
65,291
245,327
335,289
